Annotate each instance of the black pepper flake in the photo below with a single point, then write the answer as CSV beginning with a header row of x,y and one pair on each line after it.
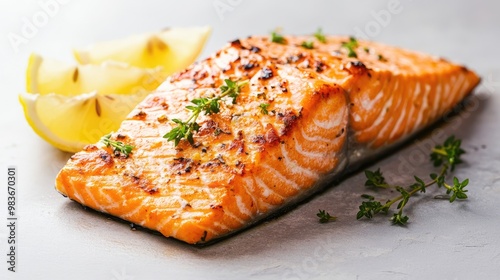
x,y
254,49
266,73
248,66
358,63
283,87
320,66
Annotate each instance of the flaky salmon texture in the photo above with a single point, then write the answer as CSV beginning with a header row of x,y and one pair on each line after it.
x,y
327,112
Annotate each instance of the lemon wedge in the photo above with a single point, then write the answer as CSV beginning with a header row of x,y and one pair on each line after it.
x,y
173,49
45,76
71,122
71,105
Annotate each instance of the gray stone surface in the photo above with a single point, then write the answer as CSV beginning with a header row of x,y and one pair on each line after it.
x,y
60,240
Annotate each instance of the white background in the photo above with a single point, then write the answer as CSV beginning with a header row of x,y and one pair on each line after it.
x,y
57,239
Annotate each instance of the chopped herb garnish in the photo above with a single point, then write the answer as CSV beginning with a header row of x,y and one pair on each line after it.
x,y
118,146
325,217
350,46
277,37
320,36
307,44
185,129
263,108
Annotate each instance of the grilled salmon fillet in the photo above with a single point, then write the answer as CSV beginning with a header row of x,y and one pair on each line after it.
x,y
327,112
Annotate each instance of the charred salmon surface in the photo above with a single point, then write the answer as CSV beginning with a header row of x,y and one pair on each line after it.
x,y
326,110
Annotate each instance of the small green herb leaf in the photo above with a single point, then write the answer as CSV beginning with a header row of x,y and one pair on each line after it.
x,y
369,208
325,217
399,219
375,179
449,153
458,189
320,36
308,45
367,196
263,108
350,46
277,38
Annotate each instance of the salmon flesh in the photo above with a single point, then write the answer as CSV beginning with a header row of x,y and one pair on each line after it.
x,y
328,109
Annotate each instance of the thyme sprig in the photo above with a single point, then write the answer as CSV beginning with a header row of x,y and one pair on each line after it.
x,y
446,156
118,146
185,129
